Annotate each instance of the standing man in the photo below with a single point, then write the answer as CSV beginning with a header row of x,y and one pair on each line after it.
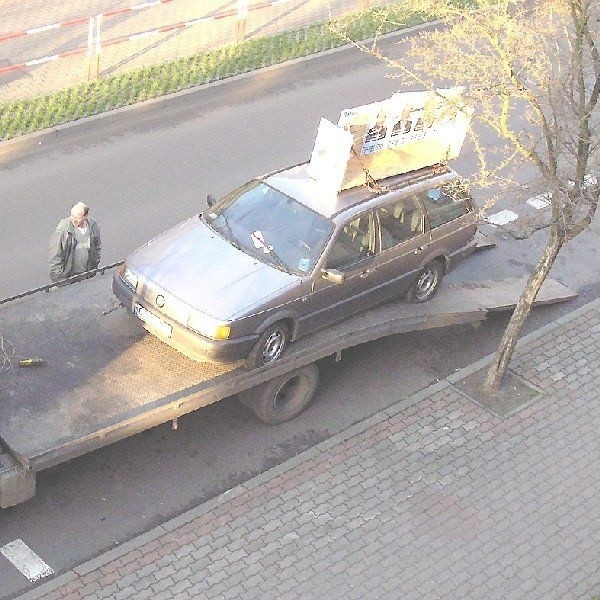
x,y
75,244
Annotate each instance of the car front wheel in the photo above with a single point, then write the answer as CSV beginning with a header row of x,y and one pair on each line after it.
x,y
427,283
270,346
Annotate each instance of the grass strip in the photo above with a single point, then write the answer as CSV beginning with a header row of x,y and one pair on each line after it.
x,y
21,117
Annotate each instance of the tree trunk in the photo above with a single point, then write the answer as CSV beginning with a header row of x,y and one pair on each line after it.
x,y
504,353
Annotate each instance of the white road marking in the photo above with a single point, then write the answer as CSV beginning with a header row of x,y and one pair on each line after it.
x,y
588,180
540,201
26,560
502,218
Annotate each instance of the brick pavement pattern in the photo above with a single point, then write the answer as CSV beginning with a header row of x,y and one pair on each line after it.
x,y
433,498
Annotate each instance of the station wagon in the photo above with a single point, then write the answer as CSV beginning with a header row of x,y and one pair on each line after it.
x,y
280,257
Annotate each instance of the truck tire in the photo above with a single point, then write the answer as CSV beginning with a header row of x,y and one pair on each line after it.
x,y
283,398
270,346
427,283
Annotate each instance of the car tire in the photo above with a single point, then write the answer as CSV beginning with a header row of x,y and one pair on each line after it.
x,y
270,346
427,283
284,397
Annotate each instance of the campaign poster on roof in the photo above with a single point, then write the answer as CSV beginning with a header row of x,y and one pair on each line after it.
x,y
330,155
408,131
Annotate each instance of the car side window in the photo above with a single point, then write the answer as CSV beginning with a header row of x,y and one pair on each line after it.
x,y
354,243
444,204
399,222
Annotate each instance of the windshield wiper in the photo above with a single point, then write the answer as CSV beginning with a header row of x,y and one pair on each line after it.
x,y
262,246
229,237
278,260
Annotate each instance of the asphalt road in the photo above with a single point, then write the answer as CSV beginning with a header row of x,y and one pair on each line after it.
x,y
144,169
141,170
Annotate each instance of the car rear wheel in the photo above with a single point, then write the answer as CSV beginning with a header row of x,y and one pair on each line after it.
x,y
270,346
284,397
427,283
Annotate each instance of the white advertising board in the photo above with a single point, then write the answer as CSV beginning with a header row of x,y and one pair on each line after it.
x,y
408,131
330,155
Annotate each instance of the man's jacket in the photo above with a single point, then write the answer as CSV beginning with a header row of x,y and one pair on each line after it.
x,y
62,247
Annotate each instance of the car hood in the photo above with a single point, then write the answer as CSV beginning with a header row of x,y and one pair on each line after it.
x,y
197,266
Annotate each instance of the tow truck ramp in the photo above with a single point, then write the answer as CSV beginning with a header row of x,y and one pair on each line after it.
x,y
104,378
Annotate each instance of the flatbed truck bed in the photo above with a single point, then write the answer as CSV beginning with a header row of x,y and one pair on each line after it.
x,y
104,378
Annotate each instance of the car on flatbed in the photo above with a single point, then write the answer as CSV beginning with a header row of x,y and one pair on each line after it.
x,y
280,257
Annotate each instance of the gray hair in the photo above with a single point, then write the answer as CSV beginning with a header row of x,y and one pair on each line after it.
x,y
80,206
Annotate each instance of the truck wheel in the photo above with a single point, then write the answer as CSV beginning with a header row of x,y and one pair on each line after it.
x,y
270,346
284,397
427,283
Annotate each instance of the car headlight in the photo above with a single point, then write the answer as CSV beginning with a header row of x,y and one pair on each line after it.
x,y
209,327
129,277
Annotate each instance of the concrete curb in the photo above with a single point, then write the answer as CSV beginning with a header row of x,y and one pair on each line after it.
x,y
482,362
358,428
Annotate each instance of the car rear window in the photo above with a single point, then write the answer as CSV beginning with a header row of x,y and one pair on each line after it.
x,y
444,204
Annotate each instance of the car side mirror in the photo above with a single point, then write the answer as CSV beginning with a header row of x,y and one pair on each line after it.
x,y
210,199
333,275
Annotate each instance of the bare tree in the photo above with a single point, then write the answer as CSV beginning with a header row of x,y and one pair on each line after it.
x,y
531,71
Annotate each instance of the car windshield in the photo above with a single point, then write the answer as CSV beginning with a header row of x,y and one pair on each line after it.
x,y
271,226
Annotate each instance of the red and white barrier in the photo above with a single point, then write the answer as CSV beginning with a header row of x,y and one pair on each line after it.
x,y
118,40
43,59
80,20
240,12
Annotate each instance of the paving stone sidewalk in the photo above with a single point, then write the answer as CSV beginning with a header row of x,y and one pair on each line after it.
x,y
435,497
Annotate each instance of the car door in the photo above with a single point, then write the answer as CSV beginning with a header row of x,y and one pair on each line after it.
x,y
403,245
351,252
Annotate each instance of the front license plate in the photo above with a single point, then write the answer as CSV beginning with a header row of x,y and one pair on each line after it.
x,y
152,321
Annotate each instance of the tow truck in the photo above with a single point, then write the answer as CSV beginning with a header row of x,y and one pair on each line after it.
x,y
99,377
91,376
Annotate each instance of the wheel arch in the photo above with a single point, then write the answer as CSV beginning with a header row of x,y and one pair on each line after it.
x,y
286,317
442,259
